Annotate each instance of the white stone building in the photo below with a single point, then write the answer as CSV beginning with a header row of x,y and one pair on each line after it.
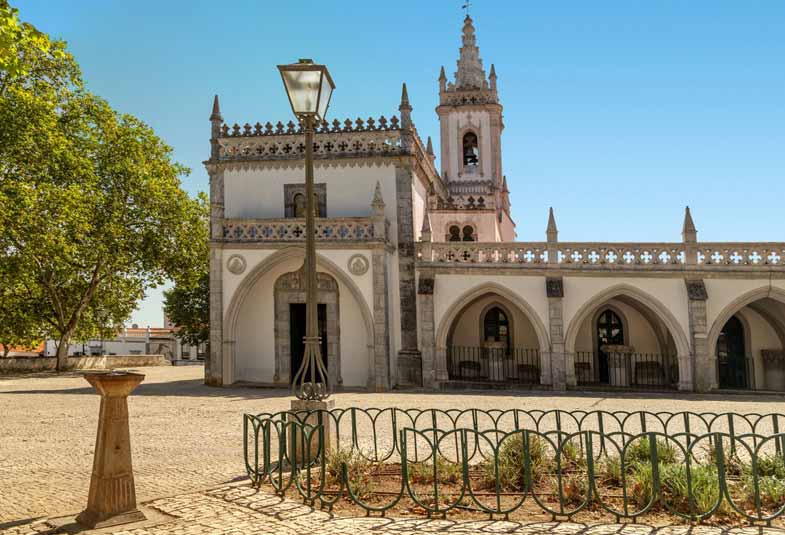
x,y
421,281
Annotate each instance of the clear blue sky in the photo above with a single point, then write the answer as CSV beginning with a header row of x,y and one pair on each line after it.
x,y
617,112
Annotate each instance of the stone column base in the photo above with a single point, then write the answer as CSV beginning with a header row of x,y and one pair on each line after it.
x,y
409,368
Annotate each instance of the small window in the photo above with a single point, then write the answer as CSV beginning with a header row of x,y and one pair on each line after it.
x,y
294,199
471,151
468,233
454,233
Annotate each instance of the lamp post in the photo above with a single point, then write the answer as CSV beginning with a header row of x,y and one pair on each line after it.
x,y
309,87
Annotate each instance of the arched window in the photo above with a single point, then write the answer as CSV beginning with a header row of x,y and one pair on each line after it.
x,y
299,205
468,233
496,327
471,151
454,233
731,355
610,332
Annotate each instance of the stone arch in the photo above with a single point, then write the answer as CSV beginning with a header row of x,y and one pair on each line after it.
x,y
504,295
244,288
657,308
511,301
735,306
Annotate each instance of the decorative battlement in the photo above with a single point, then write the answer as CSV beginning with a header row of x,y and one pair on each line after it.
x,y
457,97
608,255
325,127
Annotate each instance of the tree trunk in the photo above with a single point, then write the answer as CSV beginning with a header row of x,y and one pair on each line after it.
x,y
62,353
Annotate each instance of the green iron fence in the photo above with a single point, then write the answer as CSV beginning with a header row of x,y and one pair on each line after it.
x,y
627,464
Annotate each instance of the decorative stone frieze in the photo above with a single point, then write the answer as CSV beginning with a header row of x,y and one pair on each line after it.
x,y
291,229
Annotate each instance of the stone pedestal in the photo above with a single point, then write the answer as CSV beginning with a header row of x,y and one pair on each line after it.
x,y
320,441
774,369
619,365
493,361
112,498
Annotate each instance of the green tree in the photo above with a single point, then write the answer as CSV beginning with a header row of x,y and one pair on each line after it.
x,y
91,209
188,308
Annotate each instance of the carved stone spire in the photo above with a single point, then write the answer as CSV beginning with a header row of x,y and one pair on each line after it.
x,y
470,74
215,129
425,232
442,80
377,196
406,109
552,232
492,77
689,233
216,115
429,146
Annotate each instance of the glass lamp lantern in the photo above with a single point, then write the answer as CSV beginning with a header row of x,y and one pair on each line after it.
x,y
309,87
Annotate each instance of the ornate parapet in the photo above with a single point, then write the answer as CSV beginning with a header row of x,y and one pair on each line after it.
x,y
658,256
345,229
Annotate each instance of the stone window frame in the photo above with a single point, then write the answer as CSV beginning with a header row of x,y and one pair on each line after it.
x,y
510,323
289,289
461,227
475,129
290,190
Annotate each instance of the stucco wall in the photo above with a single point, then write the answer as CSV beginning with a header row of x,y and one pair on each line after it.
x,y
723,292
104,362
259,193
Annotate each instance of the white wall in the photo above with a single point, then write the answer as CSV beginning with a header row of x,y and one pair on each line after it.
x,y
259,193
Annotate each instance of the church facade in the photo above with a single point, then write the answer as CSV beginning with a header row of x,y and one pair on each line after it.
x,y
422,282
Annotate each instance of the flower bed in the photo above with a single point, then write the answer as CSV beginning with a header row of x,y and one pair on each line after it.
x,y
515,464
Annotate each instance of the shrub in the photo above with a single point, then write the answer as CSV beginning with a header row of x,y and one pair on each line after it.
x,y
574,488
446,471
511,466
639,451
705,483
358,470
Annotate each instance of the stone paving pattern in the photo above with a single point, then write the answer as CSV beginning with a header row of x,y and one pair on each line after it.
x,y
244,511
187,437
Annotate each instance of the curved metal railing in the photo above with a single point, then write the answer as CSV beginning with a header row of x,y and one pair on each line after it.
x,y
626,464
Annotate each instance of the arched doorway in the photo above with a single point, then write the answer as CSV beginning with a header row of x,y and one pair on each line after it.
x,y
732,361
610,332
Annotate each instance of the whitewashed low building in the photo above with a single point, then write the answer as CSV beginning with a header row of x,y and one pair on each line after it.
x,y
421,281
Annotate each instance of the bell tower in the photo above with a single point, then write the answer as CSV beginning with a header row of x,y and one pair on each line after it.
x,y
477,206
471,119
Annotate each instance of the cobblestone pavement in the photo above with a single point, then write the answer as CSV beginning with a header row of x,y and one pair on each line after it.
x,y
240,510
187,437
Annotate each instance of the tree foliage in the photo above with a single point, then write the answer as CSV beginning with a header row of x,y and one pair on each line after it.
x,y
91,209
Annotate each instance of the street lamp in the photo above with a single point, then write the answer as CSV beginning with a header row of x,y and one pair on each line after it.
x,y
309,87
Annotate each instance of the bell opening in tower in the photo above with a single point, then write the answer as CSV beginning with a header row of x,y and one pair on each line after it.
x,y
471,152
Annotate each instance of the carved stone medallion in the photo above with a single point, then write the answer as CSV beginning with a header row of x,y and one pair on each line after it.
x,y
236,264
696,289
358,264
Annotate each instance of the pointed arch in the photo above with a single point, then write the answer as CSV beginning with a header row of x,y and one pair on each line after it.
x,y
502,294
324,264
659,310
735,306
